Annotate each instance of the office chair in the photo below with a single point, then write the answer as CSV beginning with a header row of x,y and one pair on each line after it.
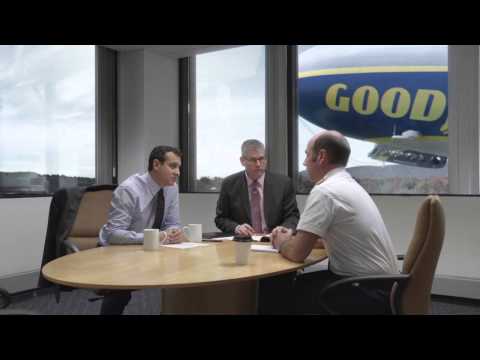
x,y
92,214
75,218
5,298
410,290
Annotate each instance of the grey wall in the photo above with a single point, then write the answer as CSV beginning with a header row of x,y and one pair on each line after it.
x,y
131,150
148,108
23,225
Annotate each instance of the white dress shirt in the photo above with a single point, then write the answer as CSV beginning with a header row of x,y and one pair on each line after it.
x,y
341,212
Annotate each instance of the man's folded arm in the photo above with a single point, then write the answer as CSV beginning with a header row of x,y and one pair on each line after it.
x,y
119,220
222,220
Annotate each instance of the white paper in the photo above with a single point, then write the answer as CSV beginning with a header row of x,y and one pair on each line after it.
x,y
223,238
185,245
263,248
254,237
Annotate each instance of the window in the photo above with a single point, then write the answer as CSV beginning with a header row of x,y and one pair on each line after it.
x,y
230,108
391,103
47,118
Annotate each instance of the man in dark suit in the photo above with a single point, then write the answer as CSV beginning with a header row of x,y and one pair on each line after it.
x,y
255,201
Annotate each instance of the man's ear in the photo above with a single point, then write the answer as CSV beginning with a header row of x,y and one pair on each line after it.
x,y
242,161
156,163
322,156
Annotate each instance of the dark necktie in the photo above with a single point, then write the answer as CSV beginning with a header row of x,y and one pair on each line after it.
x,y
157,223
255,208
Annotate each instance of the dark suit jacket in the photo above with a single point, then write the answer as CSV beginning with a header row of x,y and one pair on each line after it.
x,y
279,202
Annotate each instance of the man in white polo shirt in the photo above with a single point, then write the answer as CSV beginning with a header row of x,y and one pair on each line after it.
x,y
341,216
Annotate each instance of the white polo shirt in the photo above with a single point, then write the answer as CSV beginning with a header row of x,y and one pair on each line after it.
x,y
340,211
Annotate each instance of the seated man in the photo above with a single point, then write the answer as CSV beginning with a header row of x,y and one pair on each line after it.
x,y
340,215
255,201
141,202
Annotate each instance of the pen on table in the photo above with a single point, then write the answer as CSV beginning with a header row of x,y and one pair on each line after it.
x,y
212,240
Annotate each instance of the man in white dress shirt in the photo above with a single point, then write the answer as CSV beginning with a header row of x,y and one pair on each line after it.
x,y
342,217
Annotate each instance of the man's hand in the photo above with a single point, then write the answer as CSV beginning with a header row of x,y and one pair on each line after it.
x,y
279,236
279,229
244,230
174,236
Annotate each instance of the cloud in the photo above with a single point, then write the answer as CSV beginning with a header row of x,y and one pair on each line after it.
x,y
47,109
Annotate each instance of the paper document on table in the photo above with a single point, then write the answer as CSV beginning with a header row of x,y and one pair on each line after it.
x,y
264,248
223,238
185,245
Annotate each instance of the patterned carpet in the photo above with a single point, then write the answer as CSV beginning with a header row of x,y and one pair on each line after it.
x,y
148,302
145,302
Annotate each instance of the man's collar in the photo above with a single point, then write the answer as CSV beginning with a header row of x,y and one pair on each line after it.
x,y
152,184
260,180
330,174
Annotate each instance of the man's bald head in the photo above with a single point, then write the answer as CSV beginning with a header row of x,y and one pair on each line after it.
x,y
335,144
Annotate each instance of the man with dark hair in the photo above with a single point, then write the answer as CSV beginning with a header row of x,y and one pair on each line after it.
x,y
342,217
140,202
255,201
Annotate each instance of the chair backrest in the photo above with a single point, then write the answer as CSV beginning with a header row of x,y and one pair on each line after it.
x,y
422,257
91,216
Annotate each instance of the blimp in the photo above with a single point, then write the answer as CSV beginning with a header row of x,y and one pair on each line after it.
x,y
394,96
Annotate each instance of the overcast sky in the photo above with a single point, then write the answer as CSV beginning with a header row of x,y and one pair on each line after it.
x,y
47,109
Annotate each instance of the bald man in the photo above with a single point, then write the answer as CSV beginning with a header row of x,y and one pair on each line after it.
x,y
341,216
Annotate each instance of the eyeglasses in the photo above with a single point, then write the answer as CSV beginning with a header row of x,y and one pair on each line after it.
x,y
254,160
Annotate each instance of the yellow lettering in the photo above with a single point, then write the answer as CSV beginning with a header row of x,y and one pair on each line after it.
x,y
420,105
403,104
358,100
332,96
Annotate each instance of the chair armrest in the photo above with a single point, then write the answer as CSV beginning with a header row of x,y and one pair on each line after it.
x,y
5,298
381,282
70,246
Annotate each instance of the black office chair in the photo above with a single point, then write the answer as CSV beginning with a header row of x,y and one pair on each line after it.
x,y
410,291
5,298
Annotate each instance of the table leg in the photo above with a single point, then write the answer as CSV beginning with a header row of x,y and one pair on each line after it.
x,y
235,298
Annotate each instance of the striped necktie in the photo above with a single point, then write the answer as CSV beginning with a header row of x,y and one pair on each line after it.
x,y
255,208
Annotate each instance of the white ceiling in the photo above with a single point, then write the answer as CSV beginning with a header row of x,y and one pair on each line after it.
x,y
173,51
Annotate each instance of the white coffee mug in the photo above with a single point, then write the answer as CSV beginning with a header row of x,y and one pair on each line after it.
x,y
242,251
193,232
151,239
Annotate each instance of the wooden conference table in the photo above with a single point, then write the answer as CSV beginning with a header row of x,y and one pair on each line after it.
x,y
197,280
